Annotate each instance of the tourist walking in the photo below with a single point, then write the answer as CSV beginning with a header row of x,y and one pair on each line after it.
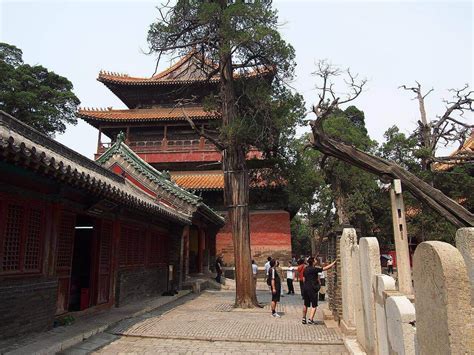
x,y
267,267
299,272
311,287
218,269
390,265
290,274
280,272
275,286
254,273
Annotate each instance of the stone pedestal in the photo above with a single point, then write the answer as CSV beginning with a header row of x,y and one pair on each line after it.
x,y
443,300
382,284
401,318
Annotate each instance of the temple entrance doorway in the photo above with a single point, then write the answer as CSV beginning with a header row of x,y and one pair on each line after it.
x,y
193,250
82,264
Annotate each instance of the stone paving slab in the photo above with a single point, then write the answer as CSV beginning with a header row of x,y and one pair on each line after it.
x,y
211,317
132,345
64,337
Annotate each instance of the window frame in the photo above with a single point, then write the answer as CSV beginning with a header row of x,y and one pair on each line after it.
x,y
27,205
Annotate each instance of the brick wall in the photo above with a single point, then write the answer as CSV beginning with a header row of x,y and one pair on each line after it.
x,y
135,284
27,305
270,235
334,279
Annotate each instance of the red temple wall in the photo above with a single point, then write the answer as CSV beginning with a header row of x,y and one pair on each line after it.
x,y
270,235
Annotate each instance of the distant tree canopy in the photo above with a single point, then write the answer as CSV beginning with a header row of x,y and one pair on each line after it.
x,y
328,192
35,95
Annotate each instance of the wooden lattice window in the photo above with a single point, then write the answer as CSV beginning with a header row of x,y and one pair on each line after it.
x,y
132,247
105,246
65,241
12,241
157,249
105,238
21,236
33,240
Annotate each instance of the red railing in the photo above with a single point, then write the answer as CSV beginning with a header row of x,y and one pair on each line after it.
x,y
165,145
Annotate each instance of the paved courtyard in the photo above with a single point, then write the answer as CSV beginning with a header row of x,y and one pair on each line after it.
x,y
207,323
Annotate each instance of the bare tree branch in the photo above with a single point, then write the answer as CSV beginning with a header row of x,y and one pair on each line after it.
x,y
202,132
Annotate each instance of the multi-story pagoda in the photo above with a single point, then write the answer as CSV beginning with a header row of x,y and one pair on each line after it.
x,y
158,132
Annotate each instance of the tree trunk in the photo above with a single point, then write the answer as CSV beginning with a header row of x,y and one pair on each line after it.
x,y
340,203
387,170
236,190
425,131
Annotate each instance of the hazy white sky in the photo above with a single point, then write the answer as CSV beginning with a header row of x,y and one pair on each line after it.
x,y
390,43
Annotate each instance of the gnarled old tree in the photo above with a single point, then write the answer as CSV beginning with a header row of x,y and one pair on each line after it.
x,y
238,46
445,129
328,102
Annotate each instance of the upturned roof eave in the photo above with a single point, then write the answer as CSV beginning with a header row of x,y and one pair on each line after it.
x,y
33,150
120,148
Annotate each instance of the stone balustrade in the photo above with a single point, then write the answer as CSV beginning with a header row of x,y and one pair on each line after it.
x,y
383,320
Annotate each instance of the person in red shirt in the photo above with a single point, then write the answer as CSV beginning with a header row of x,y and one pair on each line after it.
x,y
300,271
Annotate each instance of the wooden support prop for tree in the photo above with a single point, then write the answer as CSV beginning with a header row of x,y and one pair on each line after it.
x,y
388,171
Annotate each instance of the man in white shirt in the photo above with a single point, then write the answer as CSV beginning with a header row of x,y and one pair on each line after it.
x,y
254,273
290,274
267,267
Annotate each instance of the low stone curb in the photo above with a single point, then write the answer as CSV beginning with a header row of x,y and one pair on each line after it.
x,y
353,346
239,340
61,340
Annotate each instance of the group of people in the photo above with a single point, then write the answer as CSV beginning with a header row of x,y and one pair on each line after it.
x,y
309,276
309,273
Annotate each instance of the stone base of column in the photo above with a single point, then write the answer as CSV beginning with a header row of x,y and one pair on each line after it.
x,y
327,314
347,329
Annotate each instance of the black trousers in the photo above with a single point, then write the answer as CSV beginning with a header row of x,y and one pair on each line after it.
x,y
291,289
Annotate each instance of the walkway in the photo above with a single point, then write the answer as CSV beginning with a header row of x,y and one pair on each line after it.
x,y
207,323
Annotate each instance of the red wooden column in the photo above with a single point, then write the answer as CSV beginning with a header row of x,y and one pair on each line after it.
x,y
115,259
186,251
201,247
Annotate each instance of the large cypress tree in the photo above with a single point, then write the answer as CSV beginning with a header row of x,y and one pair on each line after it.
x,y
33,94
239,37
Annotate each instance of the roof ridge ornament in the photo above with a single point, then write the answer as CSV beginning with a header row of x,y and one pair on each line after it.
x,y
120,138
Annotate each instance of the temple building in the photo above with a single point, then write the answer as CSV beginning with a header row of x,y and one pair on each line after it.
x,y
78,235
157,131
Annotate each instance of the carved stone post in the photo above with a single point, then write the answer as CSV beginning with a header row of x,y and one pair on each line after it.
x,y
443,300
401,238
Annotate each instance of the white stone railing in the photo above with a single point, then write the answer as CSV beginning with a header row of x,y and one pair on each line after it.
x,y
384,320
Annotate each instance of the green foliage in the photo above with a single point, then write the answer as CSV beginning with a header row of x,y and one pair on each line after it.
x,y
300,236
356,191
247,34
34,95
305,180
422,222
399,148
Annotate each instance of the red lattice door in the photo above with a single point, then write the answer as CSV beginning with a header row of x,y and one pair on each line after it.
x,y
105,252
64,251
